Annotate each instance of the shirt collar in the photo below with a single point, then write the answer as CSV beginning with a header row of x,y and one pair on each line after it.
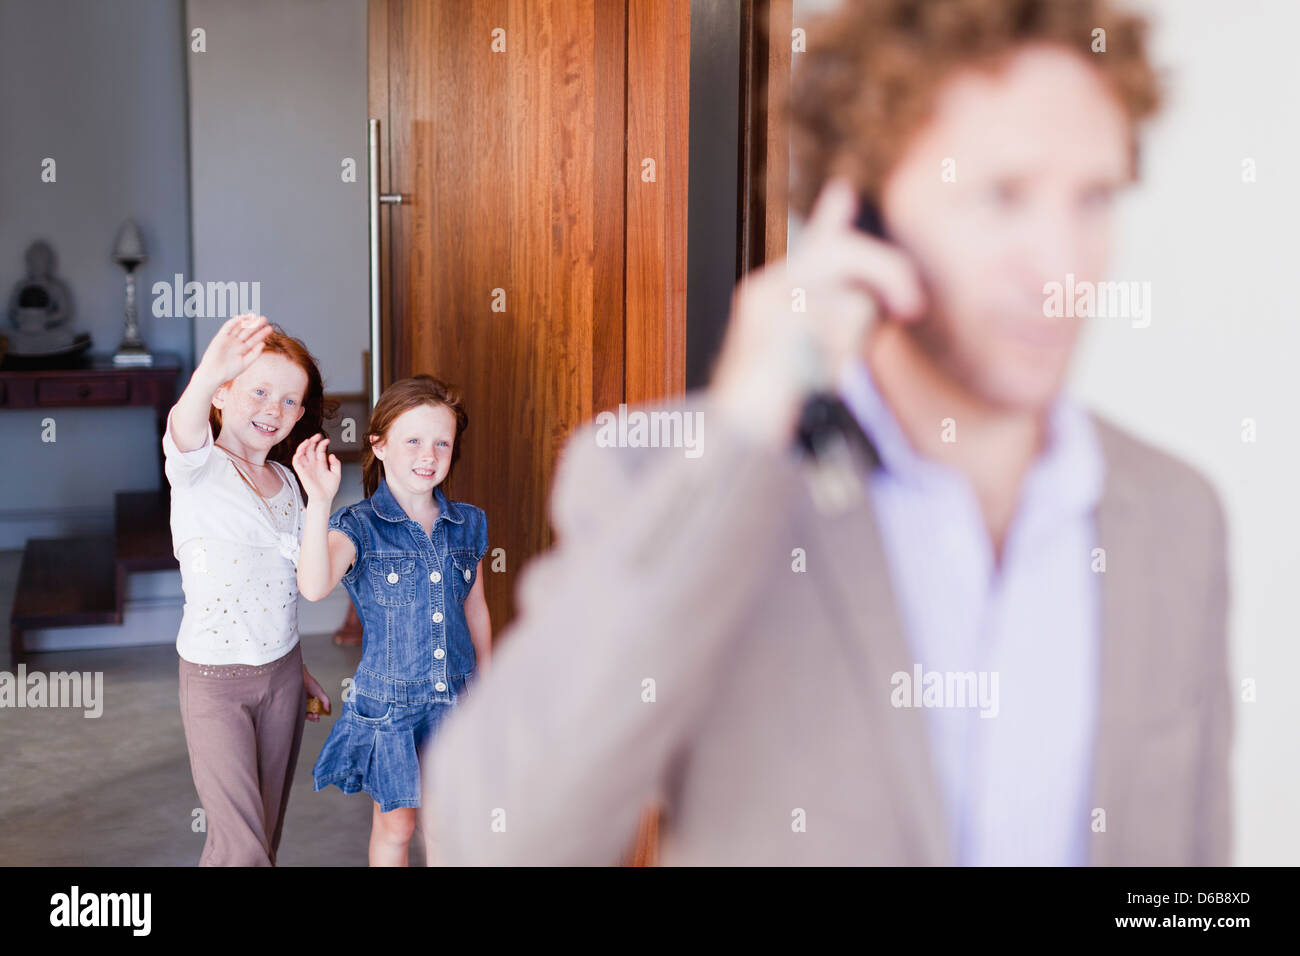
x,y
386,505
1069,470
893,450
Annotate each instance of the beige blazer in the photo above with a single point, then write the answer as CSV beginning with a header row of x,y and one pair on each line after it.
x,y
667,651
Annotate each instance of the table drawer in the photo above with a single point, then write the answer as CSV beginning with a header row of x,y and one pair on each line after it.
x,y
85,391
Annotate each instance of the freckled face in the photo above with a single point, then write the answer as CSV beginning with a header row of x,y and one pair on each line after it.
x,y
416,451
263,403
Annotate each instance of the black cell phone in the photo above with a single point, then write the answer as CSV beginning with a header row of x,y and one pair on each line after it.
x,y
826,427
868,219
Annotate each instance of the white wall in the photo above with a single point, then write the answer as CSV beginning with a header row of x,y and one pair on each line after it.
x,y
112,91
274,104
1222,347
99,88
277,102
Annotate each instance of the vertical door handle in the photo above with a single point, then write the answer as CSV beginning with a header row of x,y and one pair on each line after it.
x,y
377,199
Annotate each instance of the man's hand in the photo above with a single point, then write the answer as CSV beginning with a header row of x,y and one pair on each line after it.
x,y
795,322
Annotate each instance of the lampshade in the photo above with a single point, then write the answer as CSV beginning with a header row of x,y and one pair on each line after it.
x,y
128,250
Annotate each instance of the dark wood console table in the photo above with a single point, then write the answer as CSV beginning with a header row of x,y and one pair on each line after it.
x,y
92,380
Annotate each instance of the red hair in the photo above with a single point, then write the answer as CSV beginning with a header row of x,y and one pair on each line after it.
x,y
873,68
402,396
316,408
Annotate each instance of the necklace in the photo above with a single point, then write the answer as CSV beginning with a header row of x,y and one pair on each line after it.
x,y
266,504
262,464
288,541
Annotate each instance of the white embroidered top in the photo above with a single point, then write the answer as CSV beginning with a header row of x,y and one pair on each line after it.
x,y
238,562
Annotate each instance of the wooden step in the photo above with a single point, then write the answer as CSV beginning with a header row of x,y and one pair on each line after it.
x,y
66,582
81,580
142,525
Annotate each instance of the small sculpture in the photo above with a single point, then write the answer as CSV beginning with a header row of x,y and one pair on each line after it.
x,y
39,304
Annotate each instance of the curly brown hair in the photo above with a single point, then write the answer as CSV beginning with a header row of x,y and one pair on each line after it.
x,y
401,396
873,67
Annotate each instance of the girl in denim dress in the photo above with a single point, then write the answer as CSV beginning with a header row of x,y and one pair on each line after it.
x,y
411,561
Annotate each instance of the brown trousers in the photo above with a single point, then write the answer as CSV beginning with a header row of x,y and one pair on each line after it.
x,y
243,727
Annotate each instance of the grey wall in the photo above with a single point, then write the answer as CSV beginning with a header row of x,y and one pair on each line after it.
x,y
111,91
99,87
277,101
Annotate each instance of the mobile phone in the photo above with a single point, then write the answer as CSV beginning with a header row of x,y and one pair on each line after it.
x,y
868,219
827,431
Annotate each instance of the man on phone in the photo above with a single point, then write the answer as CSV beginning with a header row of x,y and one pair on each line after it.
x,y
1010,647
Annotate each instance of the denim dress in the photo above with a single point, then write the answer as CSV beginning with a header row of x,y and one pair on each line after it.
x,y
409,589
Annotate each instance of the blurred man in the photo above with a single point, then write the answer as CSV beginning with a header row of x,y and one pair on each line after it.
x,y
1011,647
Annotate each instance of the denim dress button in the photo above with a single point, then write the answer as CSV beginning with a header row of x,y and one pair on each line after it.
x,y
440,687
437,617
439,653
435,576
392,577
467,574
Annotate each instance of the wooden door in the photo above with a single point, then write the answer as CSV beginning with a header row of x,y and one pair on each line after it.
x,y
531,262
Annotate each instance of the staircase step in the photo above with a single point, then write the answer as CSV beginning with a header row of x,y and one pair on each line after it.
x,y
66,582
142,525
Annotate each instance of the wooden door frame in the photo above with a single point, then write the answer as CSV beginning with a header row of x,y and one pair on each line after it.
x,y
658,132
764,143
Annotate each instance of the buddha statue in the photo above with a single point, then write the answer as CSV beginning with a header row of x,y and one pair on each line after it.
x,y
39,309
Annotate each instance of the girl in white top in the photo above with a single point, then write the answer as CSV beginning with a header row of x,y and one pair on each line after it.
x,y
236,521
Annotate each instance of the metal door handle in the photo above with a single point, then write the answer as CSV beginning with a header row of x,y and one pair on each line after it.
x,y
376,200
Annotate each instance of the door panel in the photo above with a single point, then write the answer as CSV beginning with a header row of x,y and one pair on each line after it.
x,y
505,259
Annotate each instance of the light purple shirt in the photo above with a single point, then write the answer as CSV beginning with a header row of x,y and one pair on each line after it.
x,y
1016,786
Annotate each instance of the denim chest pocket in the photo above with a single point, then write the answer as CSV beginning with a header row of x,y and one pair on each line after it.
x,y
393,578
463,569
